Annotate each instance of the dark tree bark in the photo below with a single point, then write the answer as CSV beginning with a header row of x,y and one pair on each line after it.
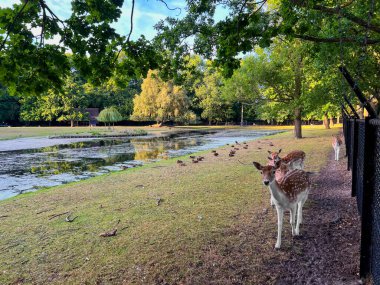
x,y
297,124
297,94
326,122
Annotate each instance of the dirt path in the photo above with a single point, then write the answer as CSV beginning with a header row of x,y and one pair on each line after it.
x,y
327,252
329,246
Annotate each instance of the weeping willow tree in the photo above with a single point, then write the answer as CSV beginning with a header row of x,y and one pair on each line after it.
x,y
109,115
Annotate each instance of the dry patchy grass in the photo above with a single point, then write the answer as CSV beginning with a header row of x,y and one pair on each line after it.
x,y
202,205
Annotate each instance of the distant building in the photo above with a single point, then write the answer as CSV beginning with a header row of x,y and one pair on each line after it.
x,y
91,118
92,114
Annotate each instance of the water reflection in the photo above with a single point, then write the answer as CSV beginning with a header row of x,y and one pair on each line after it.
x,y
27,170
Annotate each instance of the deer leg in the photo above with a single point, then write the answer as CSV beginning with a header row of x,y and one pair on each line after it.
x,y
291,217
280,217
337,153
299,217
271,200
293,211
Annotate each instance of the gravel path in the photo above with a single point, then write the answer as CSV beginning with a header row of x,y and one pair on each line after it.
x,y
329,251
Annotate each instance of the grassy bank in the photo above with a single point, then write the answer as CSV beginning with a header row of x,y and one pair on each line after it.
x,y
23,132
201,205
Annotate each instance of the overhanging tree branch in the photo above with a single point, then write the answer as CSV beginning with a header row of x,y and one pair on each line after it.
x,y
130,32
334,40
11,24
171,9
338,11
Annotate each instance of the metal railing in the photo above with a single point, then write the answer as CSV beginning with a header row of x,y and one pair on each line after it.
x,y
362,139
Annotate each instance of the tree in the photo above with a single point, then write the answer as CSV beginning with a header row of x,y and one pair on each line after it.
x,y
243,87
66,104
334,31
160,101
9,107
209,93
281,74
112,93
31,64
109,115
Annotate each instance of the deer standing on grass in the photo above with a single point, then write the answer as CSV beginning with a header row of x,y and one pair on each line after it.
x,y
290,192
336,143
295,159
280,173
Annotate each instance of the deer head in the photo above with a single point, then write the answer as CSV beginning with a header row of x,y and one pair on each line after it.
x,y
268,172
274,156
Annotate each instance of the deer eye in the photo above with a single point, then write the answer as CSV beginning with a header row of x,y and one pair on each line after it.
x,y
261,172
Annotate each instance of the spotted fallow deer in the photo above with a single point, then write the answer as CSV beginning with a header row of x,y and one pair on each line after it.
x,y
295,159
290,193
336,143
281,171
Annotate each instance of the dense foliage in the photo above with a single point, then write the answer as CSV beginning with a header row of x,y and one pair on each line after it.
x,y
296,45
161,101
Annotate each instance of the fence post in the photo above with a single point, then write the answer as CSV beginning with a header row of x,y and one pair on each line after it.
x,y
348,144
368,193
354,155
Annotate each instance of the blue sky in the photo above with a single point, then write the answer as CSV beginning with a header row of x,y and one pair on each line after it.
x,y
147,13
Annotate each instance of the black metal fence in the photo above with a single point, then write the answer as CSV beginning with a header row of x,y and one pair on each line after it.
x,y
362,139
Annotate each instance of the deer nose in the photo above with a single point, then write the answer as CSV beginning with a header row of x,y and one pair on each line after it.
x,y
266,182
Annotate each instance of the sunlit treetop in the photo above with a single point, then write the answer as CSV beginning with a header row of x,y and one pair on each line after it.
x,y
251,23
29,63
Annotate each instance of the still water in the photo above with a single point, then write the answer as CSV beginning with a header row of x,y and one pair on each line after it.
x,y
31,169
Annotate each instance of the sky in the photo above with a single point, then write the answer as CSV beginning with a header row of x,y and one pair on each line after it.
x,y
146,14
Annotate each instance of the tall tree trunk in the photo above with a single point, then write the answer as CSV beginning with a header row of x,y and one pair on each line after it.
x,y
337,119
297,124
332,122
326,122
71,123
297,95
242,115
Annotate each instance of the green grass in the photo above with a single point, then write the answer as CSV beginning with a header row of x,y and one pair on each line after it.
x,y
200,204
22,132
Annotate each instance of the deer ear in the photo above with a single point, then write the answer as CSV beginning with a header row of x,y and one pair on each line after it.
x,y
269,152
280,150
257,165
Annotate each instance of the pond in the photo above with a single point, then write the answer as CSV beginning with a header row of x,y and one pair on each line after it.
x,y
25,170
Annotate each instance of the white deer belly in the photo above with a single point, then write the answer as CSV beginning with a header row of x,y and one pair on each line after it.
x,y
286,203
